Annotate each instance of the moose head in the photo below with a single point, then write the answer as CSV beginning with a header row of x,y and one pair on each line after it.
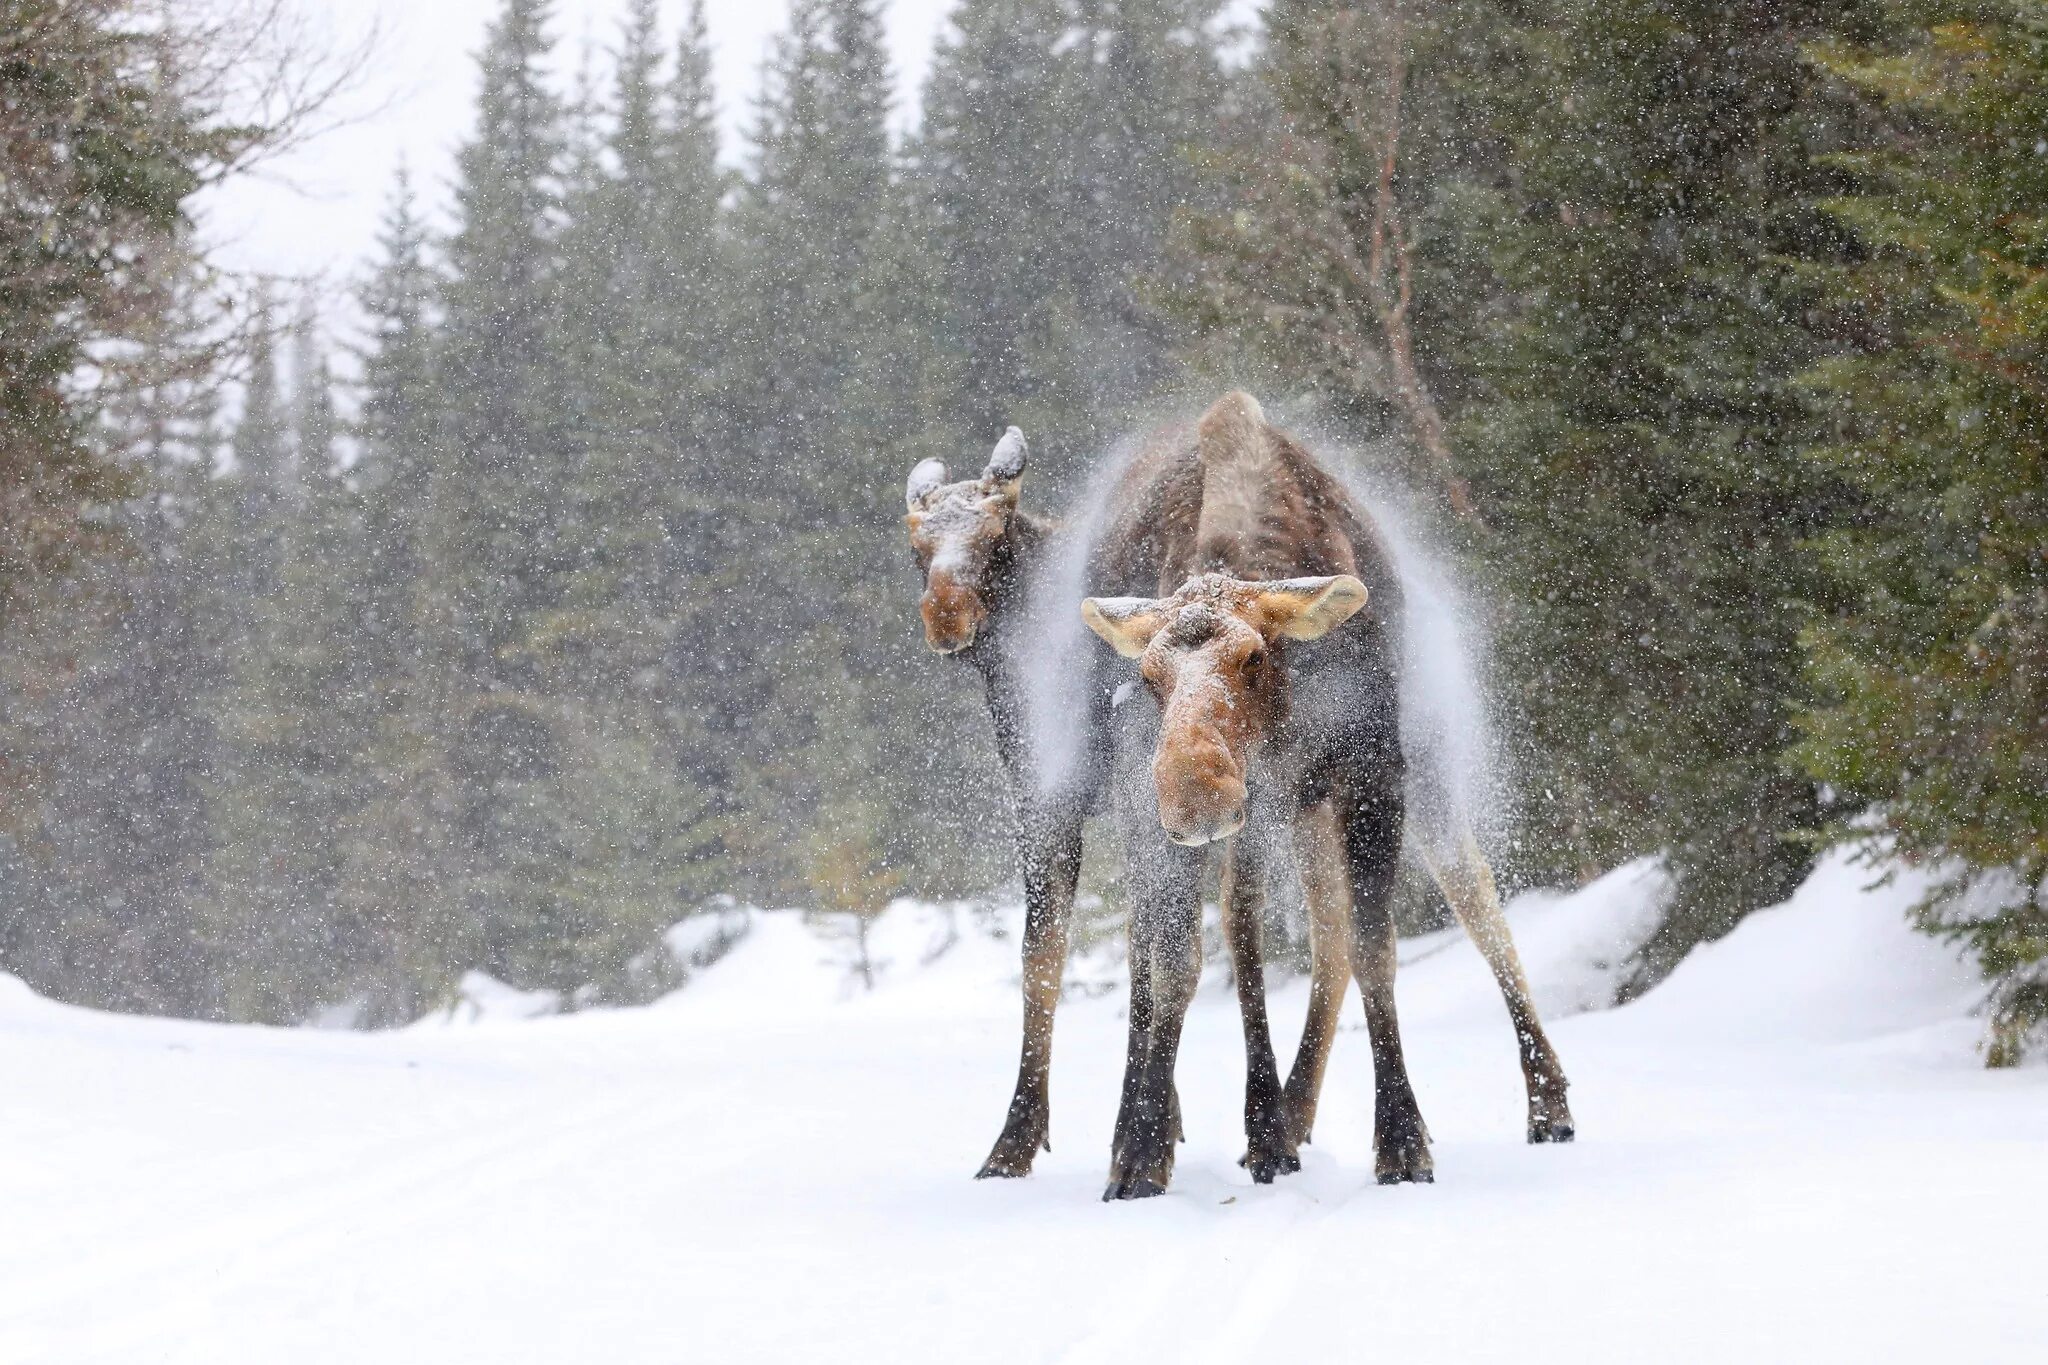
x,y
1210,655
961,535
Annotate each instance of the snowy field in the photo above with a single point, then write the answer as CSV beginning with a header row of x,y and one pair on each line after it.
x,y
1787,1152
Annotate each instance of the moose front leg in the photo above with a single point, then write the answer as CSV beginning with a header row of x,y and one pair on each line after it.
x,y
1050,844
1268,1149
1141,1164
1372,844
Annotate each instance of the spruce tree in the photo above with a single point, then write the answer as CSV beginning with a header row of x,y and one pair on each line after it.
x,y
844,382
1932,675
995,163
102,869
401,880
632,839
1060,142
1561,252
496,491
1634,436
266,875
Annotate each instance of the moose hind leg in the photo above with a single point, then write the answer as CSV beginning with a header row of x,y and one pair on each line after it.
x,y
1268,1150
1467,883
1051,848
1325,888
1372,844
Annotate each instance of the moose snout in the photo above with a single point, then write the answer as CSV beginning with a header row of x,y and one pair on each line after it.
x,y
1201,793
953,615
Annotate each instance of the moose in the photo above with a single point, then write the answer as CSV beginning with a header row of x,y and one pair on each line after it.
x,y
1178,502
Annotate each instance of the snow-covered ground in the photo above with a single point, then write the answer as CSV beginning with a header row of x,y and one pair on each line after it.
x,y
1787,1152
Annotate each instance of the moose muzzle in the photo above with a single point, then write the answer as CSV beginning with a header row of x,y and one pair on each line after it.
x,y
1200,785
953,614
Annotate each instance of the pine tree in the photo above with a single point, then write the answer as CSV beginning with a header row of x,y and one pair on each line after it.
x,y
502,410
632,839
506,463
266,879
995,163
842,382
1930,677
1152,93
402,877
102,871
1560,250
1635,436
1059,145
101,153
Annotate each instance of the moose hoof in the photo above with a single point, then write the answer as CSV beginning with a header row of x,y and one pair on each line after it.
x,y
1269,1150
1141,1167
1011,1159
1265,1166
1405,1163
1550,1119
1136,1187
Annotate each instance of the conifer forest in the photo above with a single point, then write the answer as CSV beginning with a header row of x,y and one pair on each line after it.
x,y
542,752
1708,338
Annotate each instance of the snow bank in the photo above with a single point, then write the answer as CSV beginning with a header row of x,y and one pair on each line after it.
x,y
1837,963
1787,1151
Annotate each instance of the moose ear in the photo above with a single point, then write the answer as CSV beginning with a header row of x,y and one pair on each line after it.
x,y
929,476
1309,608
1128,623
1005,472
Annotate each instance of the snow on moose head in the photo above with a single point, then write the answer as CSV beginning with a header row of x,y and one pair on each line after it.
x,y
1209,656
961,535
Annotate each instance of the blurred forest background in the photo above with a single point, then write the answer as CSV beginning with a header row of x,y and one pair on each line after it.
x,y
1715,330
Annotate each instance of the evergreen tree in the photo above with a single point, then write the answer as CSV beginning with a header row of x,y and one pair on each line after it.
x,y
826,384
630,835
1587,316
1932,676
259,917
1152,95
102,870
401,878
100,150
995,161
1059,143
1634,435
505,463
288,711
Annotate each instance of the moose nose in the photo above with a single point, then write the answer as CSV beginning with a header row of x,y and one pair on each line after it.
x,y
1194,834
1201,792
952,616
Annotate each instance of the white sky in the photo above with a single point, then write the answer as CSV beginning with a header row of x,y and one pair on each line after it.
x,y
316,212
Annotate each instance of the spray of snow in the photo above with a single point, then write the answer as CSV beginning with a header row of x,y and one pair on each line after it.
x,y
1446,721
1055,644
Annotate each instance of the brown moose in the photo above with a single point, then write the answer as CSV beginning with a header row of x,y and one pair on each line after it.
x,y
1274,669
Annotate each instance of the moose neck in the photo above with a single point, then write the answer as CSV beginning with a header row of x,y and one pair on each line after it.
x,y
995,652
1010,572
